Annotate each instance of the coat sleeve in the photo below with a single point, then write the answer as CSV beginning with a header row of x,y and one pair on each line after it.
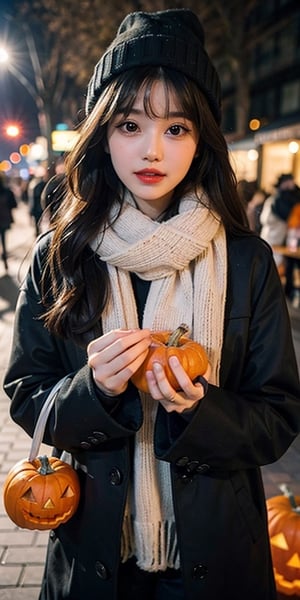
x,y
80,418
254,415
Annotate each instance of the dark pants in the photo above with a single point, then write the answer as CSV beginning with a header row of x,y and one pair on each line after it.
x,y
135,584
3,242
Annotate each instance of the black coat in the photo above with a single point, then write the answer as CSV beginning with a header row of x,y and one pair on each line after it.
x,y
215,454
284,202
7,203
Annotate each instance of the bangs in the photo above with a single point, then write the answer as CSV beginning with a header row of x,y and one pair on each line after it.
x,y
129,84
128,97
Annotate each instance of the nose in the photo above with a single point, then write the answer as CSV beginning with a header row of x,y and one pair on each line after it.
x,y
153,149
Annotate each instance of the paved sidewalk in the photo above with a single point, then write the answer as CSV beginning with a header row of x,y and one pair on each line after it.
x,y
22,552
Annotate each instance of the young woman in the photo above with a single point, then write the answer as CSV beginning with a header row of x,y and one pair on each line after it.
x,y
152,234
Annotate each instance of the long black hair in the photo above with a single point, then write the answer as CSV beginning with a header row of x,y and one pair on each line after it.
x,y
77,279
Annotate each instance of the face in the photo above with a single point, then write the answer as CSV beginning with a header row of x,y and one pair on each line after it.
x,y
151,156
289,184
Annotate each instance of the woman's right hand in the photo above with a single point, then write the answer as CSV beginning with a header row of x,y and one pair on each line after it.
x,y
115,356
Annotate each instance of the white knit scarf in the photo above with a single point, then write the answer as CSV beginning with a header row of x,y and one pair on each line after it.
x,y
185,259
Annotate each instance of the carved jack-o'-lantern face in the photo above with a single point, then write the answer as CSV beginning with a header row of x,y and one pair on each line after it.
x,y
284,531
41,494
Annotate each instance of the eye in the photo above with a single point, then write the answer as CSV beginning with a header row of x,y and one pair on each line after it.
x,y
68,493
29,495
128,127
177,130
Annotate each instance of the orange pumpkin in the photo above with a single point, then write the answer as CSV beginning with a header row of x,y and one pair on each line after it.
x,y
42,493
284,532
165,344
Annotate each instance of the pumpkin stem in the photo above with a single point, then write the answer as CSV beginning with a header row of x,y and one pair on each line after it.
x,y
289,494
45,468
177,334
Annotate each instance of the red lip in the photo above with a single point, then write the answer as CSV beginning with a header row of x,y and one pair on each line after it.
x,y
149,175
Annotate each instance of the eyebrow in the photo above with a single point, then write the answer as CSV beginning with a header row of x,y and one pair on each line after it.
x,y
137,111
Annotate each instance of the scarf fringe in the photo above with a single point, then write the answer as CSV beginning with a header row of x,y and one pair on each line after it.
x,y
127,539
154,544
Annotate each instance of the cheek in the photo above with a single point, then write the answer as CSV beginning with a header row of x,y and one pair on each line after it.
x,y
184,150
119,165
119,154
182,160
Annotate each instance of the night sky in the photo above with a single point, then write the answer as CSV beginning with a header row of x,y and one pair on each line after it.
x,y
16,104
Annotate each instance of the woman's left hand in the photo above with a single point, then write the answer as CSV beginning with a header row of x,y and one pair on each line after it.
x,y
190,393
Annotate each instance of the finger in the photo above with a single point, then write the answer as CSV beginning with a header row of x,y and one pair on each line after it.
x,y
190,388
107,339
125,338
182,377
113,376
159,385
165,389
128,347
123,365
153,386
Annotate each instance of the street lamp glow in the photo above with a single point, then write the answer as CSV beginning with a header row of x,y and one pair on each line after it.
x,y
3,55
12,130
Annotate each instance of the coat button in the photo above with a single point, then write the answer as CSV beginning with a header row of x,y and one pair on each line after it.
x,y
191,466
101,570
93,440
203,468
199,571
100,435
182,461
115,476
85,445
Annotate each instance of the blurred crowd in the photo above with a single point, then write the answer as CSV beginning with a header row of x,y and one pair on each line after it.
x,y
275,217
41,194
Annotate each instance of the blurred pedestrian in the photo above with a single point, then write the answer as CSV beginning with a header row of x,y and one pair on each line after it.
x,y
288,194
253,198
254,209
152,234
35,190
275,213
292,263
7,204
53,193
246,190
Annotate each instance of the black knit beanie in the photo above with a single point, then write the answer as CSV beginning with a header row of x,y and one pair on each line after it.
x,y
169,38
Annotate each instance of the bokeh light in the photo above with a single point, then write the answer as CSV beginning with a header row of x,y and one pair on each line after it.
x,y
254,124
252,154
5,166
293,147
15,158
24,149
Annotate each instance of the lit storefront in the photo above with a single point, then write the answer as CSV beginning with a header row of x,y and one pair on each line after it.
x,y
267,154
244,157
280,153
